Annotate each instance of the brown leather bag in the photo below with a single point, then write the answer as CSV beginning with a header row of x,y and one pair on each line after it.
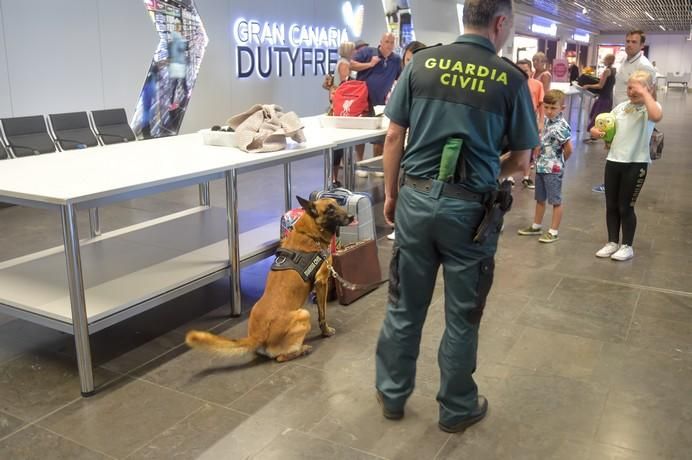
x,y
357,264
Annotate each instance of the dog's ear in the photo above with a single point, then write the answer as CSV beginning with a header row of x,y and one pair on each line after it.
x,y
307,205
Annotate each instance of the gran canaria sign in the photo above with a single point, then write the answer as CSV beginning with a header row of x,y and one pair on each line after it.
x,y
275,49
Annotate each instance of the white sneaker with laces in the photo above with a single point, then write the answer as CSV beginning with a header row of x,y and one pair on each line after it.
x,y
608,250
624,253
361,173
391,236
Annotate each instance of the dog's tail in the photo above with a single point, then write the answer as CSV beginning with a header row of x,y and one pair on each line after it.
x,y
221,345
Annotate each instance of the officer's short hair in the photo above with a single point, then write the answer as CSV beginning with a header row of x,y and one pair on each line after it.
x,y
479,13
642,35
525,62
554,97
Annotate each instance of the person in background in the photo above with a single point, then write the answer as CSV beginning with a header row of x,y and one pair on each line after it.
x,y
379,68
573,72
628,161
342,73
556,149
604,103
634,49
408,55
537,94
541,72
450,169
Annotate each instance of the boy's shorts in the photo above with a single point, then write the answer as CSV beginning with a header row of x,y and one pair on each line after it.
x,y
549,188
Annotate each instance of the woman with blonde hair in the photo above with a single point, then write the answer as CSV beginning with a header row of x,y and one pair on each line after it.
x,y
541,72
627,163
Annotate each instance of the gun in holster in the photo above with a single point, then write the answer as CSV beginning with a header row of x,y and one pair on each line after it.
x,y
497,205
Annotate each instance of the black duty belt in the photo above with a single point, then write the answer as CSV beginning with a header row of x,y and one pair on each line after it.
x,y
448,190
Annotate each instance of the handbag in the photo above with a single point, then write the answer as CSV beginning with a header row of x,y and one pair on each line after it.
x,y
656,145
358,267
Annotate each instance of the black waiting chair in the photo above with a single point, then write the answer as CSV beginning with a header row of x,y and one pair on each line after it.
x,y
72,130
111,126
27,136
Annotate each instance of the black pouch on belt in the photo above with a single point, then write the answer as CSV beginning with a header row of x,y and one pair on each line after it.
x,y
499,203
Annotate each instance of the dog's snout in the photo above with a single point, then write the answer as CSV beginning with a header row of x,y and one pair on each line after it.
x,y
350,218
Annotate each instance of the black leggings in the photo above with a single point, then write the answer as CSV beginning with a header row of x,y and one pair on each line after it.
x,y
623,182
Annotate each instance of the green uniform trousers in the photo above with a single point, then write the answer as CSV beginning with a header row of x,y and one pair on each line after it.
x,y
432,229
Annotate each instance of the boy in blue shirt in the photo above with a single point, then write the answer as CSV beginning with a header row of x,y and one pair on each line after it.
x,y
556,148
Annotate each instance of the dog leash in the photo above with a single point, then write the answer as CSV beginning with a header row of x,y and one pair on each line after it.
x,y
344,282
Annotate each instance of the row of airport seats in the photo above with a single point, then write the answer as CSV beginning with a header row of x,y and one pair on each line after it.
x,y
36,135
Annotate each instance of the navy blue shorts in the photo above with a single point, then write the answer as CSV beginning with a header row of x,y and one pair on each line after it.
x,y
549,188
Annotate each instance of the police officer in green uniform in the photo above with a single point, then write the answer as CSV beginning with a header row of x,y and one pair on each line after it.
x,y
459,102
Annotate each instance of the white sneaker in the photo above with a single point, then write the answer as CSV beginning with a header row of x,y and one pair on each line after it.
x,y
608,250
379,174
391,236
361,173
624,253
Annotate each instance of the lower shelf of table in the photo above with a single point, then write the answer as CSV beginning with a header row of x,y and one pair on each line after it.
x,y
131,269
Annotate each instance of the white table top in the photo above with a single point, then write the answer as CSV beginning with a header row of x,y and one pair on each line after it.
x,y
339,137
83,175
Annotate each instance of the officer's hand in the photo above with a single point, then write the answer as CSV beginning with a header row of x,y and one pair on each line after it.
x,y
389,208
374,61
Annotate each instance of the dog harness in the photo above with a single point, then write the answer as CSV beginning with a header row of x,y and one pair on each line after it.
x,y
305,263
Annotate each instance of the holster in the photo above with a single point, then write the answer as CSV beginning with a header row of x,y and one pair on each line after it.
x,y
497,205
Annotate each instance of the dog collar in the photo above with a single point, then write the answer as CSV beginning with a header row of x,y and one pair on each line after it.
x,y
305,263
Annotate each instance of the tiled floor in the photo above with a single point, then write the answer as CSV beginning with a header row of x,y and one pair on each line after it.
x,y
580,358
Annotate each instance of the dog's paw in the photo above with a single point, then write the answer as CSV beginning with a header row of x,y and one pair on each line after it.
x,y
328,331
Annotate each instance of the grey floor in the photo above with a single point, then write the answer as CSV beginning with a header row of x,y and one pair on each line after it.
x,y
580,358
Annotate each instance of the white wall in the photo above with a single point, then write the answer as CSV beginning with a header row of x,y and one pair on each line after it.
x,y
672,52
69,55
435,21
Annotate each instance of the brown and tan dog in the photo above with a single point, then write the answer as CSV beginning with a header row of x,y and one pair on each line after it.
x,y
278,322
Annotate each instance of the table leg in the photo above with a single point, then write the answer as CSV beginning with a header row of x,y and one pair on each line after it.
x,y
328,168
349,168
233,239
204,199
288,188
77,302
581,106
94,222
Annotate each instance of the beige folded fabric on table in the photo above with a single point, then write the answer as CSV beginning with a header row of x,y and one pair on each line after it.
x,y
264,128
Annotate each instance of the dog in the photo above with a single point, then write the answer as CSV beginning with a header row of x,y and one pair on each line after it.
x,y
278,322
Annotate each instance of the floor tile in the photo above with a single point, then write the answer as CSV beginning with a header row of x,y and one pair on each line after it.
x,y
647,424
665,306
358,422
600,451
122,417
8,424
584,308
33,385
211,433
551,353
661,335
34,443
208,376
499,439
294,445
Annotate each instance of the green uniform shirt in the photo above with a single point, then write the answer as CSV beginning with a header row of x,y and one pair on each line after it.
x,y
463,90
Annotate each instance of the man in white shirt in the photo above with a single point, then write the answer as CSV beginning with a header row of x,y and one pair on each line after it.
x,y
634,44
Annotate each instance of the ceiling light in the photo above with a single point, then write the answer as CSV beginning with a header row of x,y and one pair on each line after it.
x,y
650,17
662,28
